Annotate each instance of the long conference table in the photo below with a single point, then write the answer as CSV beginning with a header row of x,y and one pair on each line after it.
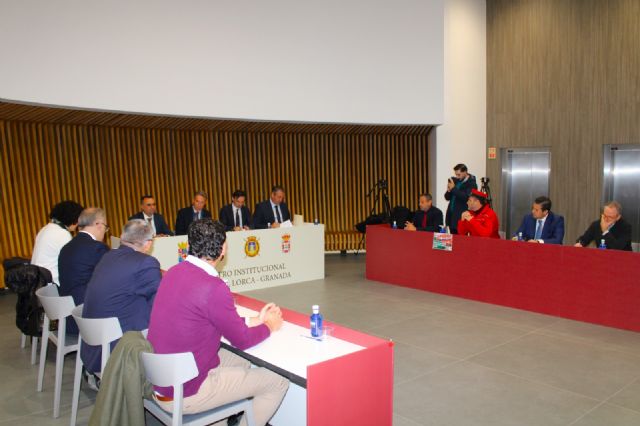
x,y
258,258
584,284
345,379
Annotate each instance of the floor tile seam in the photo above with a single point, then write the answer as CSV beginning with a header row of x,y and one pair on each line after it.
x,y
619,391
488,319
427,349
435,370
537,382
586,413
407,419
513,339
587,342
374,329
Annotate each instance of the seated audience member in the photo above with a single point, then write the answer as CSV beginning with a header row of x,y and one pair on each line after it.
x,y
149,215
78,258
480,220
54,235
193,310
271,212
612,228
458,190
427,218
236,216
123,285
541,225
194,212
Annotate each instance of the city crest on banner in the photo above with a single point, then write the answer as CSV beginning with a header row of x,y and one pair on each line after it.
x,y
183,251
251,246
286,243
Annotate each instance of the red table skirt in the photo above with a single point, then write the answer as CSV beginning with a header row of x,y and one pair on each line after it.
x,y
596,286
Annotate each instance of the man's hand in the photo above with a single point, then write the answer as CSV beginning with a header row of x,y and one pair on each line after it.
x,y
237,228
578,245
605,223
450,185
246,228
533,241
273,319
275,225
408,226
466,216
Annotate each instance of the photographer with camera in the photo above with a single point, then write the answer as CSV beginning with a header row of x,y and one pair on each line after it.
x,y
458,190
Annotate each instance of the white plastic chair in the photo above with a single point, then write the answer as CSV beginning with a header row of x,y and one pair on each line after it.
x,y
34,347
94,332
174,370
55,308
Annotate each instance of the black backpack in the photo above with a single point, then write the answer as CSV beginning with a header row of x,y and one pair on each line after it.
x,y
24,279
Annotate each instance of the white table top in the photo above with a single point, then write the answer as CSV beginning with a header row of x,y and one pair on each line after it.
x,y
293,349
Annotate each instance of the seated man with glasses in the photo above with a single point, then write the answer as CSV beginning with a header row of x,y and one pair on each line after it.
x,y
123,285
79,257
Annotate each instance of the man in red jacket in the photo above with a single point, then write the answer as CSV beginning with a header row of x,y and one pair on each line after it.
x,y
480,220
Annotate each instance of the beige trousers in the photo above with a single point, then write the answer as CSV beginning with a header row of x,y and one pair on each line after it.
x,y
233,380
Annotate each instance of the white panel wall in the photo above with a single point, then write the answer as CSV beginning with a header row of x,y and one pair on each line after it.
x,y
362,61
462,137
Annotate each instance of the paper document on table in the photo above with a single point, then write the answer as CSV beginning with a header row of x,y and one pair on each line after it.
x,y
286,224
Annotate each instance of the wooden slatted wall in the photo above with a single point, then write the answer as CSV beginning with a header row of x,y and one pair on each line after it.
x,y
326,175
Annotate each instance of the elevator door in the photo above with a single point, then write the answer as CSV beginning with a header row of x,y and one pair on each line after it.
x,y
622,182
525,176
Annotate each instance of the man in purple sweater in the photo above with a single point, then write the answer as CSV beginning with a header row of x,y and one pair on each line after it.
x,y
193,309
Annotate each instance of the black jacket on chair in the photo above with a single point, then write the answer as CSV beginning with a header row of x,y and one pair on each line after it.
x,y
264,214
227,219
185,217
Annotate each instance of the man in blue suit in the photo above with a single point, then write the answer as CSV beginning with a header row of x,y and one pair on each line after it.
x,y
271,212
79,257
542,226
148,214
123,285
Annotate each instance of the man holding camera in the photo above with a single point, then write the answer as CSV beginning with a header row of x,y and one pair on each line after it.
x,y
458,190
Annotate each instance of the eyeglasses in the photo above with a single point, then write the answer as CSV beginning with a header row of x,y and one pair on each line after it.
x,y
106,227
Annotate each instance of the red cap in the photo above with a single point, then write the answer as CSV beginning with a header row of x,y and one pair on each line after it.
x,y
478,193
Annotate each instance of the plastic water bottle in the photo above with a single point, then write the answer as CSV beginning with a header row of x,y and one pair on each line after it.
x,y
316,221
520,236
603,245
443,229
268,225
395,225
316,321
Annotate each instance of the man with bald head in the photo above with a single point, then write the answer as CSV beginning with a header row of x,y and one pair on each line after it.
x,y
611,228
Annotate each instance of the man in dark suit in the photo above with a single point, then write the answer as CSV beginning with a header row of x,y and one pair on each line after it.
x,y
149,215
79,257
427,218
458,190
194,212
236,216
541,226
123,285
611,228
271,212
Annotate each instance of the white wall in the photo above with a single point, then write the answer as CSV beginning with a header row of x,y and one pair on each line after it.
x,y
362,61
462,137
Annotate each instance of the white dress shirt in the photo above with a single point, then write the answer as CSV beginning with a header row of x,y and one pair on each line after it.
x,y
49,242
153,223
239,212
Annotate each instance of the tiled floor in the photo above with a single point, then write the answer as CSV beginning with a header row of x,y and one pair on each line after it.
x,y
458,362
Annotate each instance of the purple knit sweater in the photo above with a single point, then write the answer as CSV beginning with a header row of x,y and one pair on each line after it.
x,y
191,312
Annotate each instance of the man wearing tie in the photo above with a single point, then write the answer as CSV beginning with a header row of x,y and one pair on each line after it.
x,y
271,212
149,215
541,226
236,216
612,228
194,212
427,218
